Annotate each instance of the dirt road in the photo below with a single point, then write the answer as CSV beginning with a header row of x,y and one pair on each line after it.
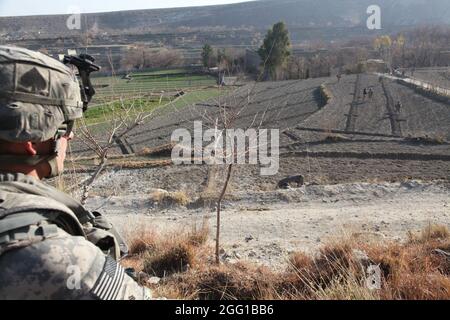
x,y
265,230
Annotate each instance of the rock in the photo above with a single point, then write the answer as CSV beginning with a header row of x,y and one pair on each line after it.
x,y
411,184
158,192
232,261
442,253
249,238
154,280
292,182
252,254
360,255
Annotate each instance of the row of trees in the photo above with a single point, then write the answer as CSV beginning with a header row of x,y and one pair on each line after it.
x,y
229,60
274,54
420,47
144,58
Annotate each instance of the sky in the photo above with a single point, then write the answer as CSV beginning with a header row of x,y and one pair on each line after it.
x,y
33,7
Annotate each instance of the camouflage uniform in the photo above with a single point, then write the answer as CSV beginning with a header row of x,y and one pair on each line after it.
x,y
50,246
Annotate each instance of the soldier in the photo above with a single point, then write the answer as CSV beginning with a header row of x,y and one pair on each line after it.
x,y
364,93
398,107
370,93
50,246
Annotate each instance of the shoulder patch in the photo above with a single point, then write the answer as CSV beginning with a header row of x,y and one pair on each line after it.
x,y
110,281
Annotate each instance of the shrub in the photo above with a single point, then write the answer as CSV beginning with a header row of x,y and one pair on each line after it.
x,y
172,259
170,199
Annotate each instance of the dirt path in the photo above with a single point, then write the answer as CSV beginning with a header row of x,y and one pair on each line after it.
x,y
392,114
353,114
264,229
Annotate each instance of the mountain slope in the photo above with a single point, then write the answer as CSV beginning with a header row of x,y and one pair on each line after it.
x,y
257,14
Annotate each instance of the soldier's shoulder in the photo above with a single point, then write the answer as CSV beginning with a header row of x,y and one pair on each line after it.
x,y
58,267
65,267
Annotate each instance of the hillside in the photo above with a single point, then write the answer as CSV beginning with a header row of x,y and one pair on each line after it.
x,y
251,15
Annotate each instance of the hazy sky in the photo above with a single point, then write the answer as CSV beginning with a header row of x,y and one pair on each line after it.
x,y
34,7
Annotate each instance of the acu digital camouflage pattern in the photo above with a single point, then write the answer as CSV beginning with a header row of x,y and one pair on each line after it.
x,y
37,95
63,267
45,252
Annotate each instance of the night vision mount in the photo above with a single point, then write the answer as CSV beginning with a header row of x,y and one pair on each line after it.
x,y
85,65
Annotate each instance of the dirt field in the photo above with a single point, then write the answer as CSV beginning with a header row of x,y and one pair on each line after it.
x,y
352,138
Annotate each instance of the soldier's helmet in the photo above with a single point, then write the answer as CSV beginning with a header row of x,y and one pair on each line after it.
x,y
38,95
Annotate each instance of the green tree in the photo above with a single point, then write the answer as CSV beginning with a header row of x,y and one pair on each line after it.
x,y
275,49
207,55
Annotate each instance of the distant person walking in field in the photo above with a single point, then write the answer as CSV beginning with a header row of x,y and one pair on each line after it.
x,y
339,77
398,107
364,94
370,93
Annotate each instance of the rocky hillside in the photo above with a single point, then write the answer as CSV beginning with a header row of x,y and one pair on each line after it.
x,y
252,15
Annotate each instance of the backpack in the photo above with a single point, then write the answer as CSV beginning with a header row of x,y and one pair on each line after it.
x,y
25,201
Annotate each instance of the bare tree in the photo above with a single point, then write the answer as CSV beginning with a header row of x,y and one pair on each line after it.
x,y
121,118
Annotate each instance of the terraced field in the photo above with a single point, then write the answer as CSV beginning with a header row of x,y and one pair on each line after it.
x,y
269,105
151,83
349,138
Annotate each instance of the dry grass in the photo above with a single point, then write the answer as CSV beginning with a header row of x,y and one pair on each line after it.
x,y
170,199
225,282
436,139
144,241
434,232
174,252
326,94
175,258
137,164
417,269
160,151
413,272
334,138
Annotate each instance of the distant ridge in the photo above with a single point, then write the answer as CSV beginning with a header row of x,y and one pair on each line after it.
x,y
257,14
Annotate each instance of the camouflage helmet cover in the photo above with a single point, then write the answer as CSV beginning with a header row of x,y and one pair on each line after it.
x,y
38,94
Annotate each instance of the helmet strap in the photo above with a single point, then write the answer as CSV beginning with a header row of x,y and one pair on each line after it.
x,y
33,161
55,171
